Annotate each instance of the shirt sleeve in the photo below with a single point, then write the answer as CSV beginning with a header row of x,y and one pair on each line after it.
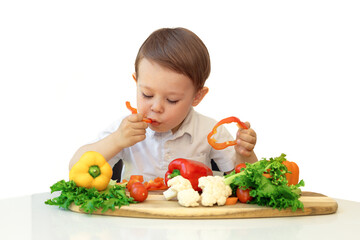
x,y
106,132
224,159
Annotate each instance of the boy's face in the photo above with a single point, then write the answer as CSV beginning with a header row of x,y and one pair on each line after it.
x,y
164,96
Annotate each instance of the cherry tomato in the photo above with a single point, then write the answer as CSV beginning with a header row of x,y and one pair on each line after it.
x,y
243,195
239,167
133,179
138,192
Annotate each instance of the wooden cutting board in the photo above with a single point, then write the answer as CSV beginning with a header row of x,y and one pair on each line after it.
x,y
156,206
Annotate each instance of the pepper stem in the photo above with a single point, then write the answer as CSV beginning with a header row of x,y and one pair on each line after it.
x,y
175,173
94,171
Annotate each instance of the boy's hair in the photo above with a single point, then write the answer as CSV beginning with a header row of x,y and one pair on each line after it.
x,y
180,50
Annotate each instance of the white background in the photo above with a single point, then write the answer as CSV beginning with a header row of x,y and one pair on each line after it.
x,y
289,67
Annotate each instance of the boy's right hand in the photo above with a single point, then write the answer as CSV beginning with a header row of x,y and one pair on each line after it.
x,y
131,130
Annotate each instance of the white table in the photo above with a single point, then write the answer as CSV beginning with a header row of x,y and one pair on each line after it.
x,y
29,218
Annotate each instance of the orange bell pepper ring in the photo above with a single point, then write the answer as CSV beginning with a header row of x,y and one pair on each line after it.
x,y
223,145
134,111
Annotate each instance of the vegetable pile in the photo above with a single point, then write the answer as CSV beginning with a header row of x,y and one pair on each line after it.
x,y
270,182
89,199
266,184
90,186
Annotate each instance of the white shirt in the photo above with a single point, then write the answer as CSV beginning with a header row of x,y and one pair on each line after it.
x,y
152,156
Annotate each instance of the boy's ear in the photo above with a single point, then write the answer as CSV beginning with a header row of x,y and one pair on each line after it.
x,y
199,96
134,76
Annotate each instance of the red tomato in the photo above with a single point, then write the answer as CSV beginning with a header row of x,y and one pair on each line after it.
x,y
239,167
243,195
138,192
133,179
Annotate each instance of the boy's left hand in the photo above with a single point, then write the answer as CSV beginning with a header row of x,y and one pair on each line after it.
x,y
246,140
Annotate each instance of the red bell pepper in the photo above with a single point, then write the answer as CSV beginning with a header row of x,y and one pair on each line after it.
x,y
220,146
189,169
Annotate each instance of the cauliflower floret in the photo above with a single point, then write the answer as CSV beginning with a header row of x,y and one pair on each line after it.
x,y
188,198
214,190
176,185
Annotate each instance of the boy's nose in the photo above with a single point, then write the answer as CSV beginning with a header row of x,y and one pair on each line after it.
x,y
157,107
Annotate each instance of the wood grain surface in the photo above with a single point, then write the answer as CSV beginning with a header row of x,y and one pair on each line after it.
x,y
156,206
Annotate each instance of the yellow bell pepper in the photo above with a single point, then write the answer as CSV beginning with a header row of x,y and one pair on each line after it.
x,y
92,170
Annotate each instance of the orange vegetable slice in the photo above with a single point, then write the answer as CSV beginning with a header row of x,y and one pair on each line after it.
x,y
231,201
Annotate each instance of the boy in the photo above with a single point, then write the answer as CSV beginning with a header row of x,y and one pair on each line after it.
x,y
171,68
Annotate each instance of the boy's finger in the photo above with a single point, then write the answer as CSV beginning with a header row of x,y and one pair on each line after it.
x,y
244,133
246,138
138,132
243,151
246,145
135,117
139,125
247,124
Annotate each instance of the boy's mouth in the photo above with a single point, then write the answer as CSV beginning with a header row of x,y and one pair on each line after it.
x,y
147,120
154,122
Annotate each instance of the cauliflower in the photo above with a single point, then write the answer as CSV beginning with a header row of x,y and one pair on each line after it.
x,y
214,190
176,185
188,198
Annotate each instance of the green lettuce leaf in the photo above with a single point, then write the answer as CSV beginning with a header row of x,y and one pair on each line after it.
x,y
91,199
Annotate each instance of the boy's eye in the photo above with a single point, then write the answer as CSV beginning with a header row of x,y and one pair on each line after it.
x,y
172,101
146,96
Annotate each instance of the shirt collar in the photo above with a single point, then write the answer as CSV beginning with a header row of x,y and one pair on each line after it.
x,y
187,127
